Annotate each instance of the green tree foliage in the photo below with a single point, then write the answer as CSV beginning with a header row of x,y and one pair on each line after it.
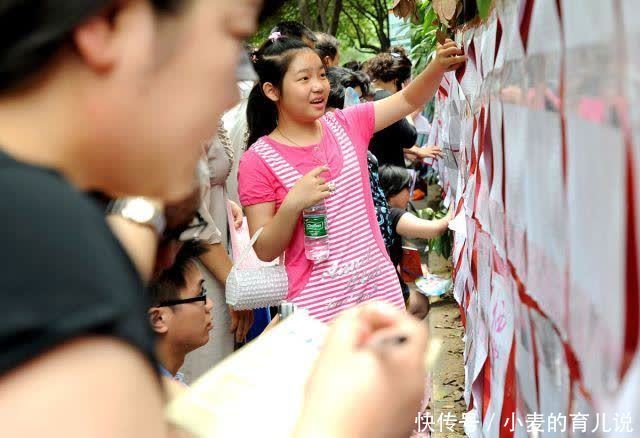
x,y
367,25
288,12
361,25
484,6
424,40
423,36
322,15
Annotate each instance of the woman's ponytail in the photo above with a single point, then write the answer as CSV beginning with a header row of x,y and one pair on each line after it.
x,y
262,115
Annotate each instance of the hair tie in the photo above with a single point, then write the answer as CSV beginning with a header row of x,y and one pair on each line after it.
x,y
275,36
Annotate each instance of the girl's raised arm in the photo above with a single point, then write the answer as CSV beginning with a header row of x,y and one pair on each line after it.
x,y
421,89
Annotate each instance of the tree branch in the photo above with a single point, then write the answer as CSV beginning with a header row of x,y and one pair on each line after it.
x,y
374,22
356,27
379,20
377,6
384,37
362,10
362,43
388,30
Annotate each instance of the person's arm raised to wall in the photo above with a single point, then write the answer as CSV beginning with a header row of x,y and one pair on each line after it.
x,y
421,89
413,227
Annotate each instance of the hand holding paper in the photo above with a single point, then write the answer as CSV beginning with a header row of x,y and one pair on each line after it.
x,y
449,56
360,381
352,377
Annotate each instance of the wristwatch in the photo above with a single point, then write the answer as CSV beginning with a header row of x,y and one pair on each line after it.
x,y
140,210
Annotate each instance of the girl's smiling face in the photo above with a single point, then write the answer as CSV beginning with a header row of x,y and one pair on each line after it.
x,y
305,88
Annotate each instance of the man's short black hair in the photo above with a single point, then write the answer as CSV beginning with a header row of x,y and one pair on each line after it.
x,y
168,284
294,29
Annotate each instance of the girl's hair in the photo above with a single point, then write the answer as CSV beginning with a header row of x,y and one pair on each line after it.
x,y
296,30
393,179
336,96
349,78
393,65
327,45
33,31
353,65
271,62
341,78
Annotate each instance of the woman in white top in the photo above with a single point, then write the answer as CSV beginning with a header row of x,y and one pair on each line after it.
x,y
211,227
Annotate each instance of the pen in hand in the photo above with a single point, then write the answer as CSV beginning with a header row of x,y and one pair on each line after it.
x,y
381,345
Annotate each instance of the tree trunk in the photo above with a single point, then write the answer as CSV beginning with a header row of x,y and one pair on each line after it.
x,y
321,14
305,15
335,20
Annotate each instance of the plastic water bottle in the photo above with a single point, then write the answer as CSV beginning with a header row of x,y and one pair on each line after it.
x,y
316,234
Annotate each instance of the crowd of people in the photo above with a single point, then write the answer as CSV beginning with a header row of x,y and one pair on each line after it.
x,y
120,194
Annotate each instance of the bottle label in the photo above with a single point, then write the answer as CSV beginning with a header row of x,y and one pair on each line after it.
x,y
315,226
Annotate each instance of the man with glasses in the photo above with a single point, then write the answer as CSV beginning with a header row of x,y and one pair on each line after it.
x,y
180,312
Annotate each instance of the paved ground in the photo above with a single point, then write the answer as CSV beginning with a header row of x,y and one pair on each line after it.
x,y
447,405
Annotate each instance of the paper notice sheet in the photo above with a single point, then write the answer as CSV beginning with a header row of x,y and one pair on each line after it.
x,y
264,381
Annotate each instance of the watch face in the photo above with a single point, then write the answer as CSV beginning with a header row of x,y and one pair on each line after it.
x,y
138,210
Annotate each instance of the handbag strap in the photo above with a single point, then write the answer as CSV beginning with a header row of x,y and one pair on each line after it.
x,y
247,250
245,253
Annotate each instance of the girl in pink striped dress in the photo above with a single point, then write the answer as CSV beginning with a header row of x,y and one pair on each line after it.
x,y
300,156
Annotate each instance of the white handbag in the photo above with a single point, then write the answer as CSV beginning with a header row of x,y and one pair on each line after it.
x,y
256,287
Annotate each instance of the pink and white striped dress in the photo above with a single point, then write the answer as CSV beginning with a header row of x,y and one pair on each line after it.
x,y
357,269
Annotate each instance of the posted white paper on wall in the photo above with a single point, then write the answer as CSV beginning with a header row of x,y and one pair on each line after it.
x,y
500,341
596,222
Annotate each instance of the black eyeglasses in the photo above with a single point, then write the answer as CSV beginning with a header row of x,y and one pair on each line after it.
x,y
202,297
